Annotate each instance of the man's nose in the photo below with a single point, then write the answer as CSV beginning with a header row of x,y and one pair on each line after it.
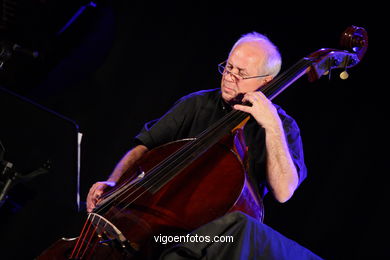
x,y
231,77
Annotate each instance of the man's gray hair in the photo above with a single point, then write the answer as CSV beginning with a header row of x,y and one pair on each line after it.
x,y
274,59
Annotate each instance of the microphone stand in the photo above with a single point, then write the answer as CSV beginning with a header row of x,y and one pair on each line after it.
x,y
9,176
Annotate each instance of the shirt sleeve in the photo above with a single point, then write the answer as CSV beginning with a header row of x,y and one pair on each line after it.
x,y
168,127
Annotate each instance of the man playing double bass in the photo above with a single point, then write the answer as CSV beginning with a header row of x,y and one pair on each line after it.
x,y
272,138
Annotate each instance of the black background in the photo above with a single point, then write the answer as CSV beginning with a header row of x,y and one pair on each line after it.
x,y
124,63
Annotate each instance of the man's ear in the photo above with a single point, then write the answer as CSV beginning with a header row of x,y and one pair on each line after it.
x,y
268,79
265,81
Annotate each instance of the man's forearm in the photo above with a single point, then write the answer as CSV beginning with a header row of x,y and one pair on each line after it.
x,y
128,161
281,172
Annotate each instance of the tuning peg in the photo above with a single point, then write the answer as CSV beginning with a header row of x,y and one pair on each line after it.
x,y
344,75
327,73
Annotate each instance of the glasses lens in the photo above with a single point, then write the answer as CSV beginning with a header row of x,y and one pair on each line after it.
x,y
221,68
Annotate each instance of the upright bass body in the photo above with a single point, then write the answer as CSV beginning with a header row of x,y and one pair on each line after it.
x,y
125,228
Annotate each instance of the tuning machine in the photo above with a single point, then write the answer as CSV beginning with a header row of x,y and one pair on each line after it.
x,y
333,62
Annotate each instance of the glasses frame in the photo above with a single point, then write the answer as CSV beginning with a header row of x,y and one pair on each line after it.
x,y
224,71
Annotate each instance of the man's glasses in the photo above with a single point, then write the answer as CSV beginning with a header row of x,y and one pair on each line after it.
x,y
225,71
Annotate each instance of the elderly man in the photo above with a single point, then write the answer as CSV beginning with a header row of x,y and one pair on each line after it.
x,y
272,137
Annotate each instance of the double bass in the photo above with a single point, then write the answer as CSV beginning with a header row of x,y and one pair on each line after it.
x,y
167,192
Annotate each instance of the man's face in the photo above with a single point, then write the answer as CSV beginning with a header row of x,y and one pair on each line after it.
x,y
244,61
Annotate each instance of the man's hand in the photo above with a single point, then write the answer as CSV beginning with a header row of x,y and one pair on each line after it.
x,y
126,163
262,110
95,192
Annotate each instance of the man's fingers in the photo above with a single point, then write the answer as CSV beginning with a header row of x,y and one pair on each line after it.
x,y
94,195
242,108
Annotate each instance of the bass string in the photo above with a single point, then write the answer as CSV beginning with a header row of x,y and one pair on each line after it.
x,y
92,250
86,236
129,184
191,148
122,190
79,245
91,236
161,173
158,170
112,192
279,82
111,197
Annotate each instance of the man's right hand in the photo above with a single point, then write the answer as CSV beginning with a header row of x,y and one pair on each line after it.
x,y
95,193
128,161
